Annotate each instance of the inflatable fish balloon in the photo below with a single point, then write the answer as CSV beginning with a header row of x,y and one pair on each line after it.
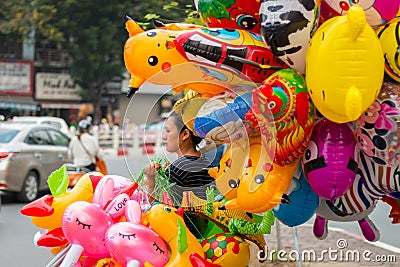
x,y
345,66
234,14
284,94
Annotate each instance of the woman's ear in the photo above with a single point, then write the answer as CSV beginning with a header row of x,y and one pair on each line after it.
x,y
185,134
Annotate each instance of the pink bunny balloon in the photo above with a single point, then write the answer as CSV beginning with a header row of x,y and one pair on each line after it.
x,y
131,242
84,225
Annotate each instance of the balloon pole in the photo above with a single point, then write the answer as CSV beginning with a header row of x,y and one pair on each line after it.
x,y
72,256
59,257
278,235
133,263
296,244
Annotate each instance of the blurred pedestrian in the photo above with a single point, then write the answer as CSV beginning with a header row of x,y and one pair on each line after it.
x,y
84,148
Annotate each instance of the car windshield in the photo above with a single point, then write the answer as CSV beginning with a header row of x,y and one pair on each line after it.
x,y
6,135
25,121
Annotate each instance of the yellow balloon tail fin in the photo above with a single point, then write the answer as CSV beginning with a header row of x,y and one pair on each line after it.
x,y
353,103
356,20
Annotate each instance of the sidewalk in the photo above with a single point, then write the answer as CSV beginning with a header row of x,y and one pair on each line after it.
x,y
352,246
355,245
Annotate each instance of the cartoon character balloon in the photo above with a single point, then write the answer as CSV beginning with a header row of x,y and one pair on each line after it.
x,y
230,168
234,14
329,161
168,223
85,224
389,37
378,12
287,26
131,241
263,184
345,66
377,130
205,60
47,211
355,205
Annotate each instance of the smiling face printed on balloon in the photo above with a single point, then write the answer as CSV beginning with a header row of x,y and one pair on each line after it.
x,y
129,241
86,224
378,12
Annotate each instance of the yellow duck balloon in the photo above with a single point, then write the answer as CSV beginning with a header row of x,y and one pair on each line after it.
x,y
344,66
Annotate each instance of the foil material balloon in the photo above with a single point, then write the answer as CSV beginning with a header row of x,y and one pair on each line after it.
x,y
232,14
287,26
304,202
329,161
230,168
47,211
85,226
168,223
263,184
378,12
345,66
189,106
356,204
222,119
215,59
130,241
227,249
389,37
285,95
377,129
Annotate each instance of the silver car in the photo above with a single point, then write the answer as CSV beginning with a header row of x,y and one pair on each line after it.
x,y
28,155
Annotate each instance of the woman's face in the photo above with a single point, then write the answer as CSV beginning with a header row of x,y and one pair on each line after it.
x,y
170,136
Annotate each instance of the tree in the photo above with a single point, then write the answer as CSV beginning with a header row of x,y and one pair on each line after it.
x,y
91,32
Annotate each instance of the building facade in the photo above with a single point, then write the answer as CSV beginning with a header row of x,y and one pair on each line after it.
x,y
35,80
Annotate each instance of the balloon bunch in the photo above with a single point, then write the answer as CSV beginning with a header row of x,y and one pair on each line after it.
x,y
297,91
100,222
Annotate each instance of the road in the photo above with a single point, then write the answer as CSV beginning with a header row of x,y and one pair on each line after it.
x,y
16,231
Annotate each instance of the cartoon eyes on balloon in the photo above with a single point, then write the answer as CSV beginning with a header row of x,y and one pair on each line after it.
x,y
376,129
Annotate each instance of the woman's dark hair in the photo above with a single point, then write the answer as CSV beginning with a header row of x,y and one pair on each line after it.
x,y
182,126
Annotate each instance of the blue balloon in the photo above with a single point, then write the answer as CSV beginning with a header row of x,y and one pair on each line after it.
x,y
219,117
303,205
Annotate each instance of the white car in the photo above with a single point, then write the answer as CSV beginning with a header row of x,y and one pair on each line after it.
x,y
29,153
56,122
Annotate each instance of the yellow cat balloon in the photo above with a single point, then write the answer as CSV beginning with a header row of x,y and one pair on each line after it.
x,y
344,66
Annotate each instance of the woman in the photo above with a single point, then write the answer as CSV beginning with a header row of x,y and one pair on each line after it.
x,y
83,148
189,172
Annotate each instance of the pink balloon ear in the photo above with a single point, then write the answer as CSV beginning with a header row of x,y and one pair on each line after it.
x,y
133,212
104,191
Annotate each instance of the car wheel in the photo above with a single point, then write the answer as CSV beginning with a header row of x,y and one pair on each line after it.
x,y
30,188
